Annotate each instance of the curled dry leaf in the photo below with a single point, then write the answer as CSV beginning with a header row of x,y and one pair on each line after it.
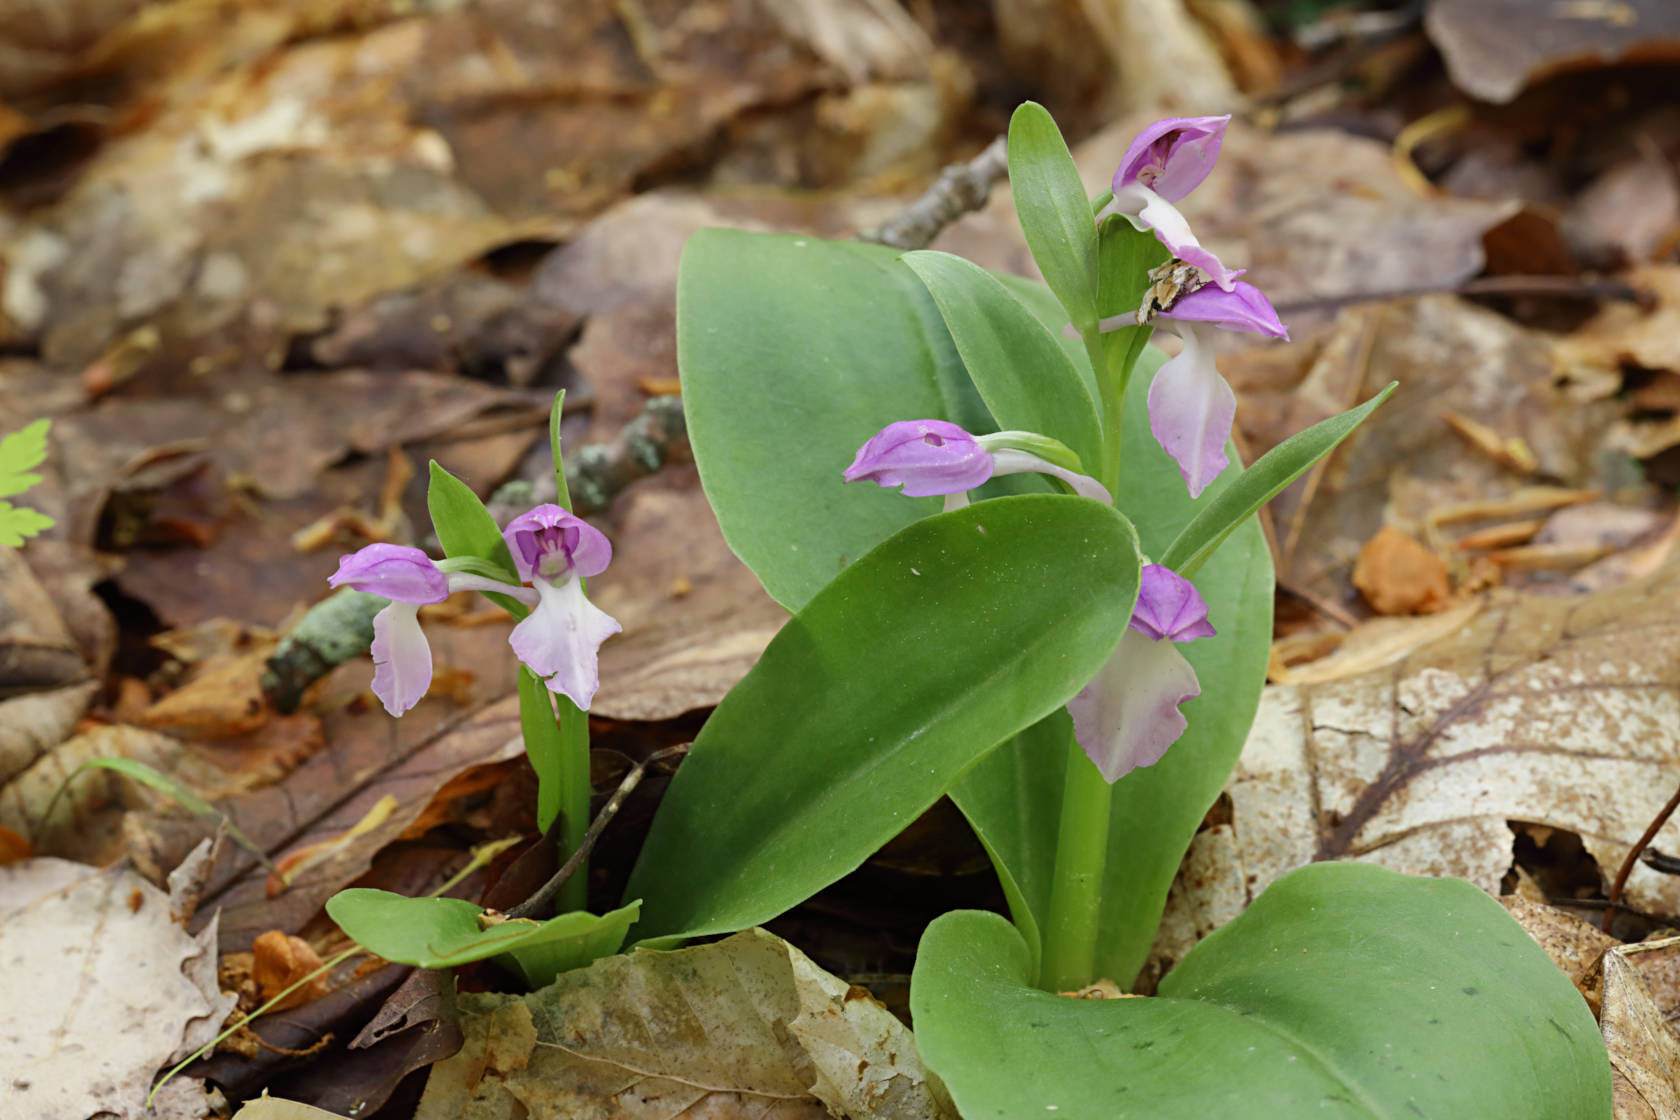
x,y
1397,575
278,961
1644,1051
744,1025
103,988
1563,711
1494,49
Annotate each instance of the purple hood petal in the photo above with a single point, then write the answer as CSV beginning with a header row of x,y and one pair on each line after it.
x,y
392,571
926,457
1171,157
549,543
1243,308
1170,607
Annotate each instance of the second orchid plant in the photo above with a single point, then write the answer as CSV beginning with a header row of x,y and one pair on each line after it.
x,y
1054,607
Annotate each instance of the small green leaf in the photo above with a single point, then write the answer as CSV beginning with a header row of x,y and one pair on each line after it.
x,y
20,453
1021,370
19,522
465,528
1345,990
1261,483
445,932
1054,211
917,659
543,743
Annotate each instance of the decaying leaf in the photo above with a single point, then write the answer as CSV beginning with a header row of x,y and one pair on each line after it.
x,y
1562,711
33,724
1644,1051
103,988
746,1024
1495,48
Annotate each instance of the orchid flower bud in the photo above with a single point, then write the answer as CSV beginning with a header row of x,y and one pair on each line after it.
x,y
560,639
931,457
1164,163
1128,715
402,660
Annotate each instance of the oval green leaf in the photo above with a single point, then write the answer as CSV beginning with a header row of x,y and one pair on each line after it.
x,y
465,529
794,351
1020,368
1346,990
951,636
445,932
1055,214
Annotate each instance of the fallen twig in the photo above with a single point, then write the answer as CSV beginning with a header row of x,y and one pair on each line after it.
x,y
960,189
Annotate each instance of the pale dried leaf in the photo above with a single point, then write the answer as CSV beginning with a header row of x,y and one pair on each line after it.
x,y
103,988
34,724
266,1107
1644,1052
744,1026
1562,711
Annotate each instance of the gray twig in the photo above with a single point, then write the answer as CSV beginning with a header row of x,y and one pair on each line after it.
x,y
960,189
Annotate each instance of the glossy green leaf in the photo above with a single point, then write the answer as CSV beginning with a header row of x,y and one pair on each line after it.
x,y
1054,211
1156,809
1261,483
916,660
1346,990
794,351
445,932
465,528
543,744
1013,799
1021,371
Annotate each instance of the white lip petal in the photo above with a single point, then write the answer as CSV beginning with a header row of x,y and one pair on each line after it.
x,y
1128,715
559,640
1191,410
402,661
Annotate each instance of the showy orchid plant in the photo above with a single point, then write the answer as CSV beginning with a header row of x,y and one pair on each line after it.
x,y
1069,643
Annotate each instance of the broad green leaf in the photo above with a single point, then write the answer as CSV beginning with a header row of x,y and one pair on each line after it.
x,y
465,528
1013,799
20,453
445,932
1261,483
1156,809
794,351
1020,369
1055,214
916,660
1346,990
19,522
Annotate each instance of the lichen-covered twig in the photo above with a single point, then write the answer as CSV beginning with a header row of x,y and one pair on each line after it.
x,y
960,189
340,626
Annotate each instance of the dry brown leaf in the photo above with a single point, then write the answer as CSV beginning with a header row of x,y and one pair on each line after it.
x,y
103,988
278,961
32,725
1644,1052
1268,206
1373,644
36,650
1494,49
1562,711
747,1026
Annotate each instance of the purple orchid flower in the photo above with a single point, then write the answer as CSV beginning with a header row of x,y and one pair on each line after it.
x,y
1129,714
560,639
930,457
409,579
1191,407
1164,163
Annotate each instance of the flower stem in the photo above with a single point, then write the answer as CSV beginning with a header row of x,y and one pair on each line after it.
x,y
1070,938
1111,406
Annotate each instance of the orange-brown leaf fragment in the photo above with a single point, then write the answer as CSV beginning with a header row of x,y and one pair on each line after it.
x,y
278,961
1397,575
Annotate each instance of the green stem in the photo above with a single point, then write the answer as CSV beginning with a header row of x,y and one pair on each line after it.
x,y
1070,937
1112,405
